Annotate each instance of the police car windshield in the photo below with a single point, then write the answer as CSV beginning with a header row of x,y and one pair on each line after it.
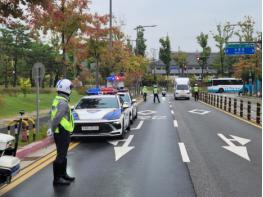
x,y
125,98
182,87
102,102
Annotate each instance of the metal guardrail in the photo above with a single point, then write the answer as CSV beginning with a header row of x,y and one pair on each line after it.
x,y
248,110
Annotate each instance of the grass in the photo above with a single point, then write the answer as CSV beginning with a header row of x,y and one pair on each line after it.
x,y
11,105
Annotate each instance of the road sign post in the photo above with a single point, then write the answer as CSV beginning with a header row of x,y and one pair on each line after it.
x,y
240,49
38,73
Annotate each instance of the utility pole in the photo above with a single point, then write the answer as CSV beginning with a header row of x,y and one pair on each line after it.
x,y
111,33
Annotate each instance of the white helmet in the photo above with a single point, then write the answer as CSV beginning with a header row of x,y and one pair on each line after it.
x,y
64,86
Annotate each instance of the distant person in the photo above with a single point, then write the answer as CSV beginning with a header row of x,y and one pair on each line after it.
x,y
196,92
144,92
155,93
62,124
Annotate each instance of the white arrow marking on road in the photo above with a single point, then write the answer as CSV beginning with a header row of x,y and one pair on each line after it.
x,y
172,112
241,140
146,112
175,123
159,117
124,149
144,117
239,150
115,142
139,125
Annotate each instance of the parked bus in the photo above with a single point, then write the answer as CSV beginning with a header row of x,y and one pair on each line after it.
x,y
228,85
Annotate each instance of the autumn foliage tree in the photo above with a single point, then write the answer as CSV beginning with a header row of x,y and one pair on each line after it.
x,y
68,18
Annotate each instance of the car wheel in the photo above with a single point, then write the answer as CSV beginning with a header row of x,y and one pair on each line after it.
x,y
131,119
221,90
129,126
136,115
123,133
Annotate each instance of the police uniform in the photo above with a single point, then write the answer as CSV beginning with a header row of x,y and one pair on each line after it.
x,y
62,125
155,94
196,93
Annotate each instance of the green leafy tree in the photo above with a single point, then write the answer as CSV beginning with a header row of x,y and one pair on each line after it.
x,y
202,40
221,37
180,59
165,53
140,42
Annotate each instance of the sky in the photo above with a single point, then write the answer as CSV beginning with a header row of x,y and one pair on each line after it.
x,y
182,20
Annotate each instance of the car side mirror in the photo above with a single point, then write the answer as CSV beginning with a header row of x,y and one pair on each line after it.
x,y
134,101
125,105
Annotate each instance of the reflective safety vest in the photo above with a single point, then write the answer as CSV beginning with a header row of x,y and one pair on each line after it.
x,y
144,90
68,125
155,90
195,89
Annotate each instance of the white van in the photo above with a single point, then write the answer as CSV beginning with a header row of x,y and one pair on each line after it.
x,y
182,88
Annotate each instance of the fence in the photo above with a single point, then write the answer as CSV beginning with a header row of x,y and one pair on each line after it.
x,y
243,108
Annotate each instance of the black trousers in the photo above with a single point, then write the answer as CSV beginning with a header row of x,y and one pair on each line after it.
x,y
156,96
196,94
62,140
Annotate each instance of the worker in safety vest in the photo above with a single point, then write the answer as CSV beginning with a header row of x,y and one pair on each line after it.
x,y
196,92
155,93
62,125
144,92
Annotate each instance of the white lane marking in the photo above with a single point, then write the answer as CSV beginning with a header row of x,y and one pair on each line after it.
x,y
139,125
175,123
170,106
183,152
172,111
238,150
199,111
120,151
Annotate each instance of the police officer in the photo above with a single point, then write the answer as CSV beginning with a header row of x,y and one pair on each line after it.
x,y
144,92
62,124
155,93
196,92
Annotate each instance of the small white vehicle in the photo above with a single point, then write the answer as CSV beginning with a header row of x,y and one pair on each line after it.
x,y
126,97
182,91
101,116
9,164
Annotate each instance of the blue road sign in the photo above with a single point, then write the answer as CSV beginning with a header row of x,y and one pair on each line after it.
x,y
240,49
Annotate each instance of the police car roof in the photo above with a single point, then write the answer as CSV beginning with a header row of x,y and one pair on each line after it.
x,y
99,96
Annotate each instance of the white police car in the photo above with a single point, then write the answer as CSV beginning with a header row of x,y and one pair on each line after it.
x,y
126,97
101,115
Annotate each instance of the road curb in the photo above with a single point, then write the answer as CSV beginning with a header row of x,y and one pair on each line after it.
x,y
30,148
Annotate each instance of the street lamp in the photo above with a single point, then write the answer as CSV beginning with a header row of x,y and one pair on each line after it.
x,y
139,27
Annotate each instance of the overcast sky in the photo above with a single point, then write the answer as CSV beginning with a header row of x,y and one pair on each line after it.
x,y
182,20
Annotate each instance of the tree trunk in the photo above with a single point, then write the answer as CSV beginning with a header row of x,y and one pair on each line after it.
x,y
15,72
222,61
6,82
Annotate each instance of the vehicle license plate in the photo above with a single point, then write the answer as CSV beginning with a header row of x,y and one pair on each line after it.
x,y
90,128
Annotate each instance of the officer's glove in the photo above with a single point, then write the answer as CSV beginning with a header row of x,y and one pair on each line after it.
x,y
49,132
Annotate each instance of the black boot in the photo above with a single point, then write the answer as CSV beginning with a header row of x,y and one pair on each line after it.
x,y
58,175
65,174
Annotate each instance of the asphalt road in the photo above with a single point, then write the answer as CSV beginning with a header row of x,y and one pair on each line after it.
x,y
169,152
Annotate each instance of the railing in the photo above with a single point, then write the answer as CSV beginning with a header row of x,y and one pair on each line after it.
x,y
246,109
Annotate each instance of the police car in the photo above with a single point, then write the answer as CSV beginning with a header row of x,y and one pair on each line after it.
x,y
126,97
101,115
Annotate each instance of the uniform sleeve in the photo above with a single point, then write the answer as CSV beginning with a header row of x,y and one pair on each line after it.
x,y
62,110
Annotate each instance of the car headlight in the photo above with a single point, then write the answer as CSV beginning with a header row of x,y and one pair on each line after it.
x,y
75,116
117,124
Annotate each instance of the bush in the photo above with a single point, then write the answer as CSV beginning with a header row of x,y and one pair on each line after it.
x,y
25,86
1,100
10,91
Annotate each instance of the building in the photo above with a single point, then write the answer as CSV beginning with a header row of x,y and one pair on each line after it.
x,y
192,66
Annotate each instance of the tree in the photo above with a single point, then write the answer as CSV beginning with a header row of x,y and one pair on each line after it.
x,y
55,17
140,42
165,53
246,29
224,33
202,40
180,59
13,9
